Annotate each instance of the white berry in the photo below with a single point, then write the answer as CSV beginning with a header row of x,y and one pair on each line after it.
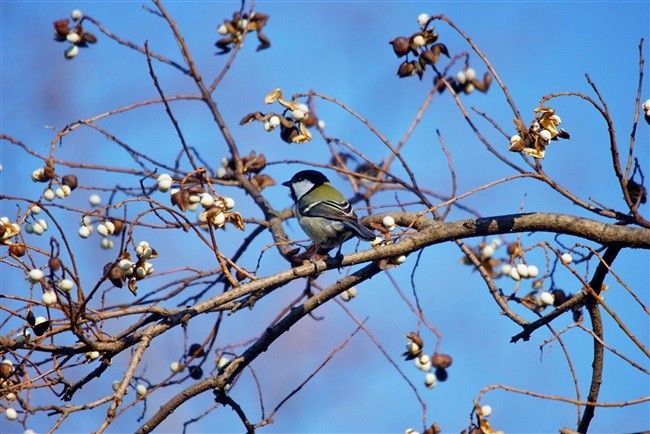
x,y
470,74
515,139
546,298
429,380
223,361
388,222
65,285
274,121
222,29
486,410
533,271
116,385
419,40
175,367
487,251
566,258
11,414
221,172
35,275
646,104
94,199
514,274
207,200
297,114
229,202
522,270
84,231
48,194
460,77
423,19
141,390
75,14
106,243
545,135
71,52
48,298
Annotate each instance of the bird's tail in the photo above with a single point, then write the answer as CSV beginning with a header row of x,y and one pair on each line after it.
x,y
360,231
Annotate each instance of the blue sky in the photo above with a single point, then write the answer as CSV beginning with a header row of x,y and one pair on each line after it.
x,y
341,49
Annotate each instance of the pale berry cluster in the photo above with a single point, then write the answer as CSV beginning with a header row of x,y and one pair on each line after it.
x,y
77,36
349,293
424,362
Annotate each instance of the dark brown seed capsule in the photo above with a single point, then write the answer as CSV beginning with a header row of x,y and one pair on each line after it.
x,y
17,250
441,361
196,372
400,46
196,350
71,181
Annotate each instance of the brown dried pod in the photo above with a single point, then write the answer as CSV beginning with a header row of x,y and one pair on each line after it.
x,y
6,369
116,276
17,250
433,429
441,360
48,172
71,181
400,45
415,338
181,199
515,249
559,297
31,319
441,374
61,27
636,191
118,224
89,38
133,286
430,36
236,219
287,134
406,69
196,350
196,372
54,263
264,41
256,116
309,120
483,85
440,49
224,43
429,58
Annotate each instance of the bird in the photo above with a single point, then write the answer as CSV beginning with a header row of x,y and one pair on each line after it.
x,y
323,212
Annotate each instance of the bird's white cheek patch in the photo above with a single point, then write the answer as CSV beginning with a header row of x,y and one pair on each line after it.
x,y
301,188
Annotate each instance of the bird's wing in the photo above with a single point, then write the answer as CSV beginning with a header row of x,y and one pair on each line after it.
x,y
329,209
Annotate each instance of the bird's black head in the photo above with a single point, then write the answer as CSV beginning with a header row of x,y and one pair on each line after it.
x,y
303,182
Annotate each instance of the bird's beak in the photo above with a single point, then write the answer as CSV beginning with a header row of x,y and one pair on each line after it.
x,y
287,183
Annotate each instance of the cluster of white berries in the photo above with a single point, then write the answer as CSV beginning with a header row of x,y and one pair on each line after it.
x,y
465,77
544,298
422,361
142,268
520,271
73,37
105,228
212,205
349,293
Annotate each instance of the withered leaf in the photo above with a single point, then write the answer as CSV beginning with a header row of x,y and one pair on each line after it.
x,y
254,163
236,219
264,41
181,199
262,181
133,286
257,116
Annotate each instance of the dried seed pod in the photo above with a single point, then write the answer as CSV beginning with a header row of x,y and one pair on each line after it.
x,y
118,225
61,27
636,191
406,69
54,263
17,250
88,38
400,45
181,199
442,374
559,297
196,350
71,181
31,319
196,372
441,361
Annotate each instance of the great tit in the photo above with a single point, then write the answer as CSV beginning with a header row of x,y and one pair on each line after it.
x,y
323,212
